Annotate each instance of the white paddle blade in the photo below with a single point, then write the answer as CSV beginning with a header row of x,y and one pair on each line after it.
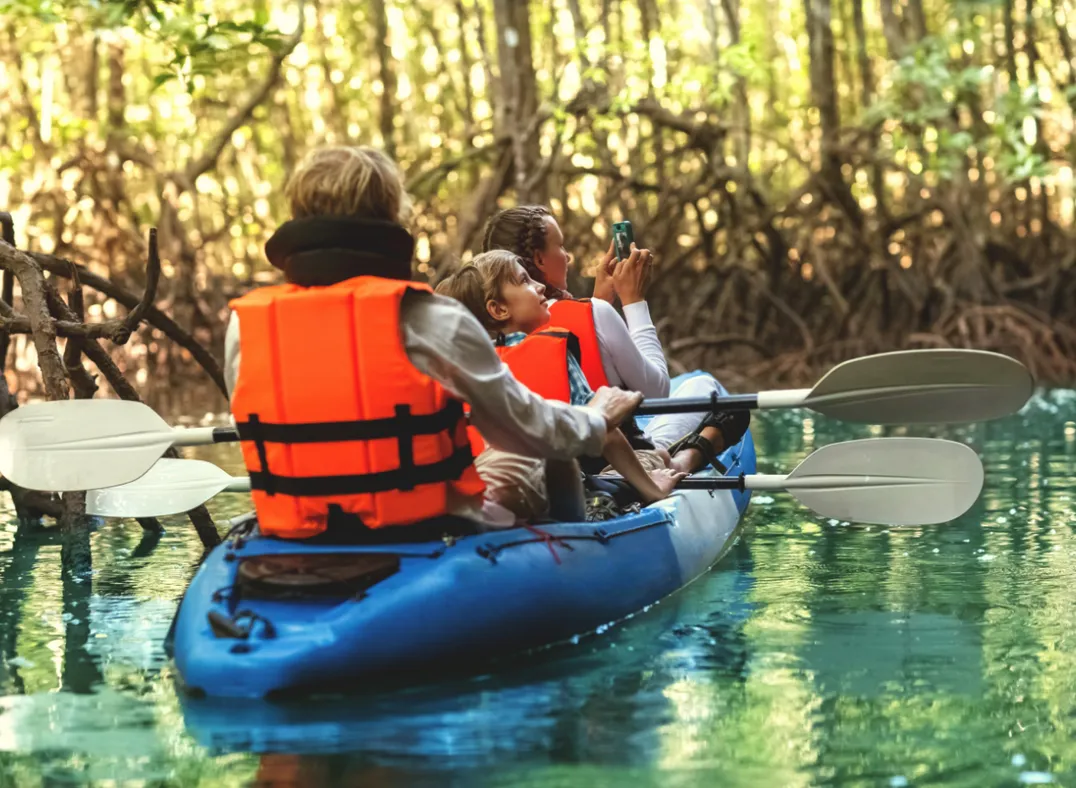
x,y
58,446
169,487
889,481
935,386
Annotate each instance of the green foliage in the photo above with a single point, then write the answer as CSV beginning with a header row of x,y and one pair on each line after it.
x,y
929,95
195,43
942,108
201,45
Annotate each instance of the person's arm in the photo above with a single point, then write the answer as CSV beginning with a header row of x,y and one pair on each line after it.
x,y
446,342
633,359
231,354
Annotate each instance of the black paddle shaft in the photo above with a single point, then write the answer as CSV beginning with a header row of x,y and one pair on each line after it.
x,y
713,403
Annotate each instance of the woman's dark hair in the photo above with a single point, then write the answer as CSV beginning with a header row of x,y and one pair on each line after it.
x,y
521,230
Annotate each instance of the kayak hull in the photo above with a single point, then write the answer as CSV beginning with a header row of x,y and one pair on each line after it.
x,y
451,605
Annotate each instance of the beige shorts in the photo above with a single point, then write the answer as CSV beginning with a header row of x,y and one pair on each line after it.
x,y
519,483
515,482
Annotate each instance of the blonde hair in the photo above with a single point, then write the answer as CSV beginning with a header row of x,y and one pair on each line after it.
x,y
348,180
480,281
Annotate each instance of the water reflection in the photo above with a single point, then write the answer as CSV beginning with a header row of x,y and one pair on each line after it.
x,y
816,653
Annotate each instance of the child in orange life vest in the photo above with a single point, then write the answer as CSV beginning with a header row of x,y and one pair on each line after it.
x,y
498,291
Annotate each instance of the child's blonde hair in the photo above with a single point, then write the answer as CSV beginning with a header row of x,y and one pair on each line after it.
x,y
348,180
480,281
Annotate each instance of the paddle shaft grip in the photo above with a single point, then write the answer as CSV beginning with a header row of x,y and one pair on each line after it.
x,y
656,407
200,436
225,434
712,483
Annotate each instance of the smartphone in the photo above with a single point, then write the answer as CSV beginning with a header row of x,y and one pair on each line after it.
x,y
622,239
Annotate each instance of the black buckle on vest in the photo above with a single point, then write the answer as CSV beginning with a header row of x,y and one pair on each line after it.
x,y
254,430
406,449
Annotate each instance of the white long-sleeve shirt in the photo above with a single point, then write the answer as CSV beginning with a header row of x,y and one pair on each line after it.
x,y
445,341
631,354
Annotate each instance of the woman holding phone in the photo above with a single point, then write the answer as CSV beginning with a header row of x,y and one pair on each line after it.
x,y
631,354
623,353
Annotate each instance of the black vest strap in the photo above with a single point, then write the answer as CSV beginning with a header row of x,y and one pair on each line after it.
x,y
403,426
444,470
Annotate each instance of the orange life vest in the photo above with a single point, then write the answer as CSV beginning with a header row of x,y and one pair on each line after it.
x,y
331,412
577,316
539,362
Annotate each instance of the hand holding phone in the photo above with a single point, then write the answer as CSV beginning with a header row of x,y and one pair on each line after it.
x,y
603,277
631,275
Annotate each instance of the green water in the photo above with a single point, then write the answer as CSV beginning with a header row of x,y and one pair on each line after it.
x,y
814,654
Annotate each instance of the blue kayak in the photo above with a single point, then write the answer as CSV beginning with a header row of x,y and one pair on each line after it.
x,y
417,607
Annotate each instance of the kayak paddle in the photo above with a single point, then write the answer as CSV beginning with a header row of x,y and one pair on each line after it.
x,y
89,444
169,487
893,481
932,386
81,444
888,481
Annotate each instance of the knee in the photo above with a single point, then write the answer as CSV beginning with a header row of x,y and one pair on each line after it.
x,y
698,386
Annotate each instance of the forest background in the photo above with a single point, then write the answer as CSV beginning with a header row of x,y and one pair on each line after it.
x,y
818,179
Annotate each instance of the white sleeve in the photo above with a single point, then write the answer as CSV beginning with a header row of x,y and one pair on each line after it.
x,y
631,354
446,342
231,354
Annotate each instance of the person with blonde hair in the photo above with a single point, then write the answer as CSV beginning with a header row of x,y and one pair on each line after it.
x,y
348,382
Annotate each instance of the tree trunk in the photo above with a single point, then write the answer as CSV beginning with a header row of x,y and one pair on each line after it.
x,y
742,108
917,19
462,13
580,32
891,27
387,75
647,23
91,78
518,91
1032,52
824,97
866,81
1010,46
